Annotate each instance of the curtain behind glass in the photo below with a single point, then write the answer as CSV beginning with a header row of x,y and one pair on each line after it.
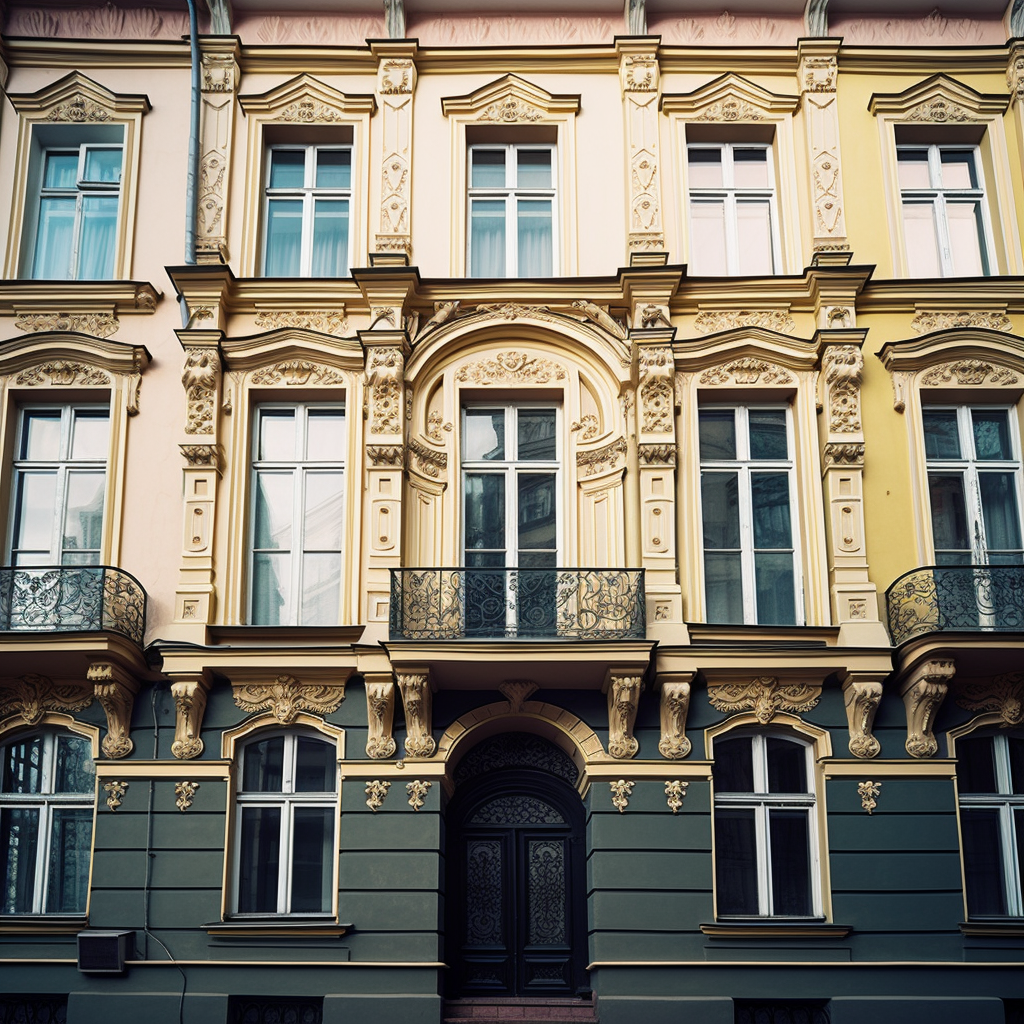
x,y
99,228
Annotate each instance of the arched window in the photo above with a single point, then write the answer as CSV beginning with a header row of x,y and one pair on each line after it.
x,y
285,855
47,795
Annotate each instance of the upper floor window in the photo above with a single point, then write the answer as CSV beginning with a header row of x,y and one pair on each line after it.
x,y
60,472
308,205
733,218
512,210
746,483
285,857
973,485
944,218
766,853
75,211
47,783
298,514
990,779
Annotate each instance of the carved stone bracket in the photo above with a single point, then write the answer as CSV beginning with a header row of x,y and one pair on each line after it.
x,y
923,693
32,695
286,697
675,705
1004,695
516,692
115,690
623,699
622,790
202,456
417,699
862,697
765,696
190,705
380,715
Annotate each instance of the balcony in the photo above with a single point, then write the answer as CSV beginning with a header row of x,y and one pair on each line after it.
x,y
72,599
956,598
525,604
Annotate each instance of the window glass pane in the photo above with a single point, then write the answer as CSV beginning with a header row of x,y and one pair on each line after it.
x,y
334,168
273,510
36,500
23,766
103,165
720,511
83,519
536,434
277,436
90,435
999,510
791,862
487,238
976,768
323,512
707,246
534,168
958,168
1018,828
325,435
754,231
964,220
485,511
922,242
941,434
534,226
734,765
259,860
271,589
983,862
321,589
98,234
750,168
263,766
52,259
991,434
70,847
287,168
76,772
330,238
769,498
314,765
487,168
774,589
484,438
949,513
723,586
40,438
787,766
1016,767
768,438
705,168
19,847
736,861
717,429
312,860
913,168
537,529
61,170
284,238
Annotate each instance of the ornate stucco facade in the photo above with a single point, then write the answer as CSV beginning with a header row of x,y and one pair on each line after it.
x,y
551,545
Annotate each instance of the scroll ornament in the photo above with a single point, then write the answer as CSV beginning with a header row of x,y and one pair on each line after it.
x,y
115,793
185,791
286,697
376,791
675,704
190,704
32,695
862,698
1004,695
417,700
380,714
923,694
622,790
765,696
868,792
417,790
116,694
675,792
623,700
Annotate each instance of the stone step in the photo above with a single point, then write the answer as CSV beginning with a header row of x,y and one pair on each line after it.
x,y
521,1011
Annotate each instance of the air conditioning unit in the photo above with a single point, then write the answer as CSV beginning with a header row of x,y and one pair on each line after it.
x,y
104,952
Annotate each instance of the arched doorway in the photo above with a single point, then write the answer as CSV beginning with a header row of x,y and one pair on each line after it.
x,y
516,872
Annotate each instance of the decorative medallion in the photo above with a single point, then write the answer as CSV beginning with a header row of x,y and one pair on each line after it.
x,y
765,696
511,368
868,792
417,790
1004,694
286,697
32,695
622,790
297,372
675,791
115,793
186,793
376,791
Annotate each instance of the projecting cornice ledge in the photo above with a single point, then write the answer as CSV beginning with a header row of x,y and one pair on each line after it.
x,y
70,298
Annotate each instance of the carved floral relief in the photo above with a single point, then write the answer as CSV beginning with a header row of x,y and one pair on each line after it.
x,y
765,696
286,697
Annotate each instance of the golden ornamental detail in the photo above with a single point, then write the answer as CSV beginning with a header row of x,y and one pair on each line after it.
x,y
1004,694
511,368
622,790
186,793
765,696
868,792
747,371
711,321
63,374
938,320
417,699
675,792
297,372
656,391
380,716
426,460
376,790
32,695
969,372
675,705
286,697
510,110
923,694
200,378
623,700
862,697
602,460
385,454
844,454
115,793
79,110
730,109
326,321
417,790
99,325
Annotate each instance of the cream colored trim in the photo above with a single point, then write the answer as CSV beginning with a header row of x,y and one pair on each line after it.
x,y
987,721
429,964
54,720
231,738
407,768
791,964
604,771
904,768
777,930
134,769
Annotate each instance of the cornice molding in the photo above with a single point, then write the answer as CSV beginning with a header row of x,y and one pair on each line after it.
x,y
77,98
730,98
306,100
939,98
510,100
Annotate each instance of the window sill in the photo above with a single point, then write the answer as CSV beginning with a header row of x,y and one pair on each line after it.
x,y
276,926
35,924
1009,927
776,929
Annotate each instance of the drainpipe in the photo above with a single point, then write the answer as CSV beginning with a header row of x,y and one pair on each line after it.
x,y
193,151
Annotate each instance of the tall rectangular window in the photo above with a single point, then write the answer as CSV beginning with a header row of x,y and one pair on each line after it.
x,y
733,219
77,204
60,475
512,212
944,218
298,514
307,211
746,482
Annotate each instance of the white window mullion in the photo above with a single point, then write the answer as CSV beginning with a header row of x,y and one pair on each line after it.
x,y
284,867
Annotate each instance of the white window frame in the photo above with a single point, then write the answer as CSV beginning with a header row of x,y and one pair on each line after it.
x,y
743,466
308,194
287,800
301,468
64,466
511,194
46,801
732,196
941,198
760,801
971,467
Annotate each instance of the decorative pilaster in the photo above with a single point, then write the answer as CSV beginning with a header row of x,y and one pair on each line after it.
x,y
862,693
675,705
623,691
380,715
190,705
115,690
923,692
640,78
417,699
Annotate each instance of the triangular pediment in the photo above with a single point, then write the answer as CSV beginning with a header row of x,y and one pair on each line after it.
x,y
938,99
306,100
730,98
510,100
78,99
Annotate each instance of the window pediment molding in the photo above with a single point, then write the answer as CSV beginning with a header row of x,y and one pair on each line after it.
x,y
76,99
510,100
938,100
306,100
65,358
782,722
293,356
950,348
267,722
740,352
730,98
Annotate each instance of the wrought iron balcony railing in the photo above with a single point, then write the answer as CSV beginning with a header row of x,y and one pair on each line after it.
x,y
535,604
72,598
958,598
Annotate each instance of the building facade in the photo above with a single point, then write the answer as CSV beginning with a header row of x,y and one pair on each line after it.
x,y
512,515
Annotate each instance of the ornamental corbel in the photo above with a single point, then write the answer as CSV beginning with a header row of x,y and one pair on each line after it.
x,y
675,704
417,699
380,715
623,699
862,696
115,690
190,705
923,693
